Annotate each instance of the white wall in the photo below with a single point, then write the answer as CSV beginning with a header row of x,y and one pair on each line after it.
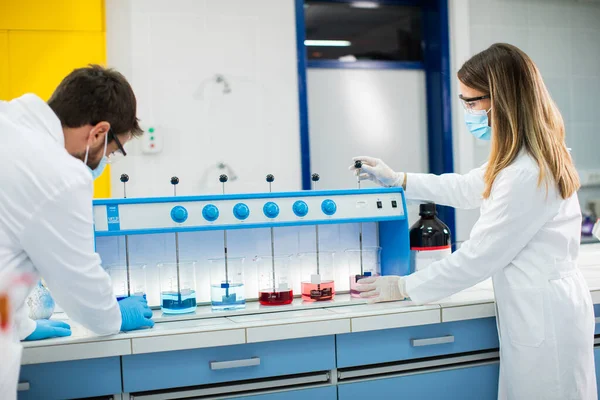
x,y
562,37
379,113
170,51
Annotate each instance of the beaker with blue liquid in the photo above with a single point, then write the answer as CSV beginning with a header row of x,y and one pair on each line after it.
x,y
177,287
128,283
227,291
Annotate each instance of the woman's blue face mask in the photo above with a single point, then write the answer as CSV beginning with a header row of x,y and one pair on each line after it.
x,y
478,123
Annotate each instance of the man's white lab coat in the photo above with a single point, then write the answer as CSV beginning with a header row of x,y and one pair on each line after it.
x,y
46,222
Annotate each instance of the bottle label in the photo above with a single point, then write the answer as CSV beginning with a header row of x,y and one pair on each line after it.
x,y
422,257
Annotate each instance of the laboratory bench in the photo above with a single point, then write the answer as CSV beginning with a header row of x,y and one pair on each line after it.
x,y
343,350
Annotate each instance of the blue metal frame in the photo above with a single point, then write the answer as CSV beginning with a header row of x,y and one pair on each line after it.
x,y
439,118
437,70
302,96
365,64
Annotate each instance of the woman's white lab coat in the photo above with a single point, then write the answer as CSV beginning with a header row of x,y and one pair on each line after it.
x,y
526,239
46,224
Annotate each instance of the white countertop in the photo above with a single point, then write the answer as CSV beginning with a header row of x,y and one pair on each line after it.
x,y
259,324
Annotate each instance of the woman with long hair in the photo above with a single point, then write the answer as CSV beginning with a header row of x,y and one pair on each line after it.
x,y
527,237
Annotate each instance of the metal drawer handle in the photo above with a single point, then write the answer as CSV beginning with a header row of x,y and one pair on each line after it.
x,y
432,341
598,320
23,387
249,362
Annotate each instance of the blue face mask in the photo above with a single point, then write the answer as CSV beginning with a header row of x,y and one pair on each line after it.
x,y
478,124
96,172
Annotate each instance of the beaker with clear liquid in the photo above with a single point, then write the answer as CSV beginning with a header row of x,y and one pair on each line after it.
x,y
275,288
227,291
177,287
137,280
317,276
371,265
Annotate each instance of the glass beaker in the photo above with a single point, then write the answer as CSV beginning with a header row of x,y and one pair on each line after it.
x,y
317,276
274,280
227,283
371,265
137,280
177,287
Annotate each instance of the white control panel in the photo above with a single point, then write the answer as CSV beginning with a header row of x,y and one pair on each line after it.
x,y
288,210
152,140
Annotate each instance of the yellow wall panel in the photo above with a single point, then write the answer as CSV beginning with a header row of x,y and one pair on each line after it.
x,y
102,185
4,81
40,60
52,15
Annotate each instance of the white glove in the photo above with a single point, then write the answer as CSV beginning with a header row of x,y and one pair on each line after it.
x,y
382,288
377,171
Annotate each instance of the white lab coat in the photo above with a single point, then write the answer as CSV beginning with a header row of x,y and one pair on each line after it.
x,y
46,225
527,240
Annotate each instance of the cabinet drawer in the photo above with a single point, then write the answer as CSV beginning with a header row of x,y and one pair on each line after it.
x,y
70,379
389,345
324,393
153,371
469,383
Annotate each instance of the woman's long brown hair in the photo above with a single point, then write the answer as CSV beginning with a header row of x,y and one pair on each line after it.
x,y
523,115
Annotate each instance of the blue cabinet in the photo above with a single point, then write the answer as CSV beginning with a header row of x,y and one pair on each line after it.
x,y
468,383
374,347
166,370
71,379
322,393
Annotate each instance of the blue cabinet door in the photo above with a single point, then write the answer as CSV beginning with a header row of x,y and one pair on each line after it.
x,y
468,383
166,370
71,379
390,345
323,393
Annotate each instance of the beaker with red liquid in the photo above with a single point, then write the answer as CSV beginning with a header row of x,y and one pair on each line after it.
x,y
317,276
275,288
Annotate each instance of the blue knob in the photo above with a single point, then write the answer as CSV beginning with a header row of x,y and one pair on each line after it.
x,y
328,207
271,209
241,211
210,212
300,208
179,214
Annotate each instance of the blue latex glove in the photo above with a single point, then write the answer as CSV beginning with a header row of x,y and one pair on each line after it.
x,y
47,328
135,313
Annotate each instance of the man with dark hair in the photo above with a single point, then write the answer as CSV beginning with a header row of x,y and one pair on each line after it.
x,y
46,225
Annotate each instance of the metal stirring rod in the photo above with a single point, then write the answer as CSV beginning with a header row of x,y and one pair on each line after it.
x,y
174,182
315,179
270,179
358,166
125,179
223,178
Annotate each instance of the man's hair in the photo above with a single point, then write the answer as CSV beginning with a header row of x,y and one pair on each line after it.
x,y
94,94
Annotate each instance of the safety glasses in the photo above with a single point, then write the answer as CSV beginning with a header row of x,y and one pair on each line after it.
x,y
120,153
472,104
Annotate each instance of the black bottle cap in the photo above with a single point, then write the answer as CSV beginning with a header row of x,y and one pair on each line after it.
x,y
315,177
358,164
124,178
174,180
270,178
223,178
427,210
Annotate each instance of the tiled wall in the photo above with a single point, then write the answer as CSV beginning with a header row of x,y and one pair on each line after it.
x,y
563,39
202,246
